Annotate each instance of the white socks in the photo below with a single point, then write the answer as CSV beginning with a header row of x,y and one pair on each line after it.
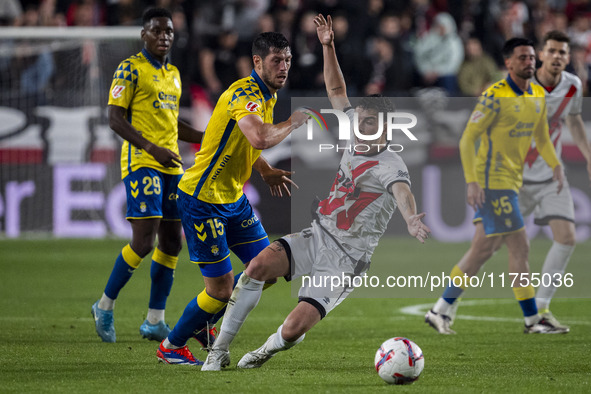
x,y
275,343
155,315
555,264
442,307
106,303
245,297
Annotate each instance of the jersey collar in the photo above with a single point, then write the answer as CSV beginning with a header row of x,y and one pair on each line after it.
x,y
266,94
516,88
155,63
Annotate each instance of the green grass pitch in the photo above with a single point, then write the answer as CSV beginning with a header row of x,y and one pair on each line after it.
x,y
48,342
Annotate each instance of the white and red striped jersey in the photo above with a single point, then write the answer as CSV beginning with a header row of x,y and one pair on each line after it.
x,y
360,203
564,99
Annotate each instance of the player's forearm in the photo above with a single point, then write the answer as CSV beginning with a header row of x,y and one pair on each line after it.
x,y
577,130
125,130
468,156
546,148
189,134
405,200
269,135
333,76
261,165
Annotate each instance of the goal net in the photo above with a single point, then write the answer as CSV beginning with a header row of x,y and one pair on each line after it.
x,y
59,160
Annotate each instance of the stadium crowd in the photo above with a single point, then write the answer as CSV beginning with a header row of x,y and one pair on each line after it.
x,y
392,47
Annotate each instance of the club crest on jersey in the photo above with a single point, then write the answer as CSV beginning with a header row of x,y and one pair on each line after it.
x,y
143,207
117,90
215,250
252,106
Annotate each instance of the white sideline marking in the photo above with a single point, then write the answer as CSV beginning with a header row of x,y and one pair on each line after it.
x,y
421,309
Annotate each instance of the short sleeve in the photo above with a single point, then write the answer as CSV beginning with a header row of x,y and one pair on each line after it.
x,y
390,171
124,83
245,103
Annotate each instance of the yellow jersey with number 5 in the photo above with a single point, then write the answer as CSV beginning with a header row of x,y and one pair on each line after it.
x,y
150,91
225,160
505,119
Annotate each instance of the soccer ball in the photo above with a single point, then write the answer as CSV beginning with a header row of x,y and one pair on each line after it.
x,y
399,361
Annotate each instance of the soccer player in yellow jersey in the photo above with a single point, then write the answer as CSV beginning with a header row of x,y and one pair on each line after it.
x,y
216,215
507,116
143,110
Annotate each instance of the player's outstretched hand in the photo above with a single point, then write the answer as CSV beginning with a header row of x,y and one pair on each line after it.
x,y
558,176
324,29
278,181
475,195
164,156
417,228
299,117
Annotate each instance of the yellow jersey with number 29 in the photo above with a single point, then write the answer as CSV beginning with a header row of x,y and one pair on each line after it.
x,y
150,91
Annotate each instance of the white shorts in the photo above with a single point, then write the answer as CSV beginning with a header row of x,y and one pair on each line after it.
x,y
545,203
326,269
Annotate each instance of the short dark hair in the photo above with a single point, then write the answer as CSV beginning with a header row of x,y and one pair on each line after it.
x,y
513,43
556,35
377,102
152,13
262,44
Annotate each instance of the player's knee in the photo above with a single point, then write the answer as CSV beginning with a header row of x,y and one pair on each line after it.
x,y
222,293
293,330
258,270
567,238
142,248
171,247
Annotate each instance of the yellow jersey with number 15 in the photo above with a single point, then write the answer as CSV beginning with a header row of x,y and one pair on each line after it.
x,y
505,119
225,160
150,92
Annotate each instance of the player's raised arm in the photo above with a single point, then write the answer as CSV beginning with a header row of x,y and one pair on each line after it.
x,y
408,209
333,76
119,124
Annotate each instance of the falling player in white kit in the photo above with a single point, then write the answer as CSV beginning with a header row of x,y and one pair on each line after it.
x,y
367,189
538,194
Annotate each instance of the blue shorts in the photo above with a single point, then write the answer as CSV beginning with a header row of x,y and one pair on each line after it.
x,y
212,230
151,194
500,213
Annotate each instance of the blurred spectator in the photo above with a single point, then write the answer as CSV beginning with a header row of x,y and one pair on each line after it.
x,y
439,54
222,61
353,66
580,66
10,12
390,74
477,71
182,53
124,12
34,62
306,71
580,33
85,13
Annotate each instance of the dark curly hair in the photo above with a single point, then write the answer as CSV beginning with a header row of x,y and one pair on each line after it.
x,y
377,102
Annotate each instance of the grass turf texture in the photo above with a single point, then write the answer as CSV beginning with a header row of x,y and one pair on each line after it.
x,y
49,344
